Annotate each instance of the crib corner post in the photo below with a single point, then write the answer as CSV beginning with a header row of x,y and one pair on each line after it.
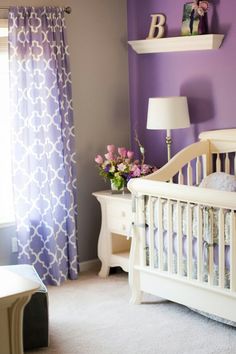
x,y
134,275
134,258
207,161
134,283
136,296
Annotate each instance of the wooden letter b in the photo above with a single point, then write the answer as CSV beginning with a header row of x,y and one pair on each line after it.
x,y
158,22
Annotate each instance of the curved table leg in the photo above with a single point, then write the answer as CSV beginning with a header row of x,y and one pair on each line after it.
x,y
16,324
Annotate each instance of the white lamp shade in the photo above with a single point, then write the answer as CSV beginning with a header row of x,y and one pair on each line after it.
x,y
168,113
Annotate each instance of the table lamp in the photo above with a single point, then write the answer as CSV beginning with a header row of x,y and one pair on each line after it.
x,y
168,113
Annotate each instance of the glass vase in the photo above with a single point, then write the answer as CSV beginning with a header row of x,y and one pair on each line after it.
x,y
115,189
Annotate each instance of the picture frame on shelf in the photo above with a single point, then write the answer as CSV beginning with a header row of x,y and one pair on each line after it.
x,y
194,20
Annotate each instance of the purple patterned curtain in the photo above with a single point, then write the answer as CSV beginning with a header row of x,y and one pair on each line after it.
x,y
44,174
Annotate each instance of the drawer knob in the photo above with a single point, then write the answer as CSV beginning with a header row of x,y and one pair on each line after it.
x,y
123,213
123,227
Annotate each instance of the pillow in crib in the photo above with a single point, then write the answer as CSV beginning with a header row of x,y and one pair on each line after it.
x,y
221,181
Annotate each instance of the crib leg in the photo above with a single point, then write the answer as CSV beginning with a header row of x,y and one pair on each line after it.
x,y
134,282
136,297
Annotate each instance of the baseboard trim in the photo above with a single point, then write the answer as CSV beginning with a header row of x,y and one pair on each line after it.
x,y
94,264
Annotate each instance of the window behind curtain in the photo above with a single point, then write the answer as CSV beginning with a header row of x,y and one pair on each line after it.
x,y
6,199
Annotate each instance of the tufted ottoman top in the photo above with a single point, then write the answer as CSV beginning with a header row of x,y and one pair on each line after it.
x,y
27,271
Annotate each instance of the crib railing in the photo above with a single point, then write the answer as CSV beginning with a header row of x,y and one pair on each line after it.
x,y
187,167
201,251
197,161
192,173
224,162
197,239
195,170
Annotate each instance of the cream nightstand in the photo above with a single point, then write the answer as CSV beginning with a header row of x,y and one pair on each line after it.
x,y
113,245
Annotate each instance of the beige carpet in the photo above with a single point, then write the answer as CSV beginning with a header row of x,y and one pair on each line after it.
x,y
93,316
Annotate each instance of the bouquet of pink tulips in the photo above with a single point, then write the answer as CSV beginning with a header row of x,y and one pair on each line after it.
x,y
118,165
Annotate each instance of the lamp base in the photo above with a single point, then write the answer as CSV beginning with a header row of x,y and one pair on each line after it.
x,y
168,143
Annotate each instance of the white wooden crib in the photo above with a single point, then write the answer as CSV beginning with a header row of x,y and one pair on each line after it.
x,y
180,265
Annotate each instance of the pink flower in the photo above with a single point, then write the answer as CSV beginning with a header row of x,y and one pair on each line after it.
x,y
145,169
111,148
130,154
136,172
121,167
109,156
204,5
201,8
99,159
122,151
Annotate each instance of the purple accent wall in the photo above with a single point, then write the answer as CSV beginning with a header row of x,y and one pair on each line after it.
x,y
207,78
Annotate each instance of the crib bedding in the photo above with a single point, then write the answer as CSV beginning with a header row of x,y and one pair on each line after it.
x,y
205,255
210,224
194,265
210,236
205,247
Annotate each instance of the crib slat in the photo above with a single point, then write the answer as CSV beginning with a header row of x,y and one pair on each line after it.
x,y
235,163
227,164
189,241
179,240
210,250
190,174
141,220
160,234
151,233
232,252
207,166
170,237
180,177
218,163
221,248
198,170
199,243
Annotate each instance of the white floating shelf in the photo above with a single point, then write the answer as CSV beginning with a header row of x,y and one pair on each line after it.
x,y
177,44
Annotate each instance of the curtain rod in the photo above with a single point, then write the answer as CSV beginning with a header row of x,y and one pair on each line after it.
x,y
67,9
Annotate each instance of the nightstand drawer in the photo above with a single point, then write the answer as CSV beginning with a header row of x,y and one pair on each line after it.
x,y
119,217
119,226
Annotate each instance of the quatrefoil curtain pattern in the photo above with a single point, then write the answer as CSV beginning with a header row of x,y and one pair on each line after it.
x,y
44,166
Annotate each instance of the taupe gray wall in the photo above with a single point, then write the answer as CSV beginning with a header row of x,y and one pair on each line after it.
x,y
97,35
